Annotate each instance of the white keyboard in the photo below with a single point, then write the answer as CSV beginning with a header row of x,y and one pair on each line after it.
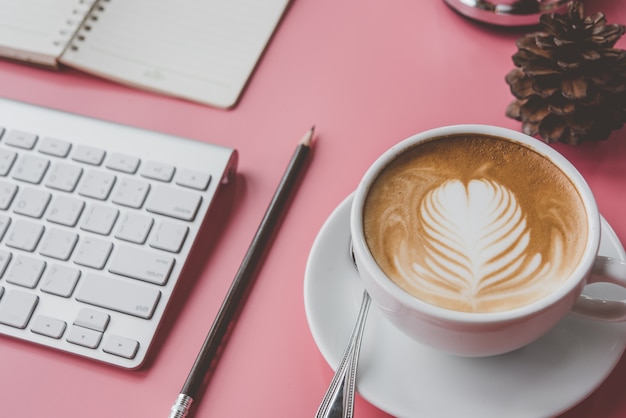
x,y
97,221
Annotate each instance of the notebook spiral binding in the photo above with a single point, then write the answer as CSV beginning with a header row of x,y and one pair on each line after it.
x,y
86,14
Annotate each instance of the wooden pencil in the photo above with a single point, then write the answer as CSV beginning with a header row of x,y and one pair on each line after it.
x,y
243,277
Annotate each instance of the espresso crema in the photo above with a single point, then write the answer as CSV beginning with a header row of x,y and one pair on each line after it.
x,y
475,223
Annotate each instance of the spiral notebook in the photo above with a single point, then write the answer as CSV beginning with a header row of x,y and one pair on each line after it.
x,y
200,50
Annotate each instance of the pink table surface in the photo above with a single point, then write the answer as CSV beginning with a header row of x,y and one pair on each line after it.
x,y
367,74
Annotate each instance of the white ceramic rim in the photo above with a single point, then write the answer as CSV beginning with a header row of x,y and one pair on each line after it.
x,y
577,277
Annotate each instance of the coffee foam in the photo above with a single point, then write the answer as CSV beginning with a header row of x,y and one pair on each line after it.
x,y
476,224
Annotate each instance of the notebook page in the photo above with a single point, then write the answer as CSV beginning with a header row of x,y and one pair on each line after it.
x,y
38,31
200,50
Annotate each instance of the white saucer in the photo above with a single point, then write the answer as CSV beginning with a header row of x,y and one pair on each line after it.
x,y
407,379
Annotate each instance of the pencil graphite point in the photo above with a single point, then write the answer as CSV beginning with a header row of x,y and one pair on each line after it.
x,y
308,137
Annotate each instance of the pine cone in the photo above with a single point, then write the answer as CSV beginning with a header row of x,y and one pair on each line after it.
x,y
570,83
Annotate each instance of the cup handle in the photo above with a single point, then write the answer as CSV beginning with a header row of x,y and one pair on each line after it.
x,y
605,269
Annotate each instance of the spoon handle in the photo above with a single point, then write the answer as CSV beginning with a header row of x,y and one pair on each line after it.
x,y
350,379
333,404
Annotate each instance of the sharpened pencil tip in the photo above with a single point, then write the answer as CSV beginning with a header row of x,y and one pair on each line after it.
x,y
308,137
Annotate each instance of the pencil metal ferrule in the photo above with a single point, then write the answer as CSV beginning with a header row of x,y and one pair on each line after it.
x,y
181,408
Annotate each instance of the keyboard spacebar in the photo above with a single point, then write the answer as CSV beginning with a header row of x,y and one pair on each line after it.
x,y
119,295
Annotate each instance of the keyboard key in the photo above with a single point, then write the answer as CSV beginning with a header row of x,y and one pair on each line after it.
x,y
92,319
123,163
93,252
7,193
88,155
193,179
7,158
84,336
5,221
58,243
60,280
24,235
4,225
120,346
5,257
134,227
64,177
30,168
48,326
131,193
65,210
21,139
158,171
97,184
119,295
54,146
99,219
169,236
17,307
25,271
149,266
31,202
176,203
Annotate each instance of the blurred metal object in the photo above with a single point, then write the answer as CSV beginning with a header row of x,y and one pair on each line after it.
x,y
508,12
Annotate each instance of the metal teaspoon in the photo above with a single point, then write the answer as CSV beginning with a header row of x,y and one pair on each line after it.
x,y
339,398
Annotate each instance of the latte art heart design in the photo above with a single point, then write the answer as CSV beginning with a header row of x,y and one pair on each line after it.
x,y
476,253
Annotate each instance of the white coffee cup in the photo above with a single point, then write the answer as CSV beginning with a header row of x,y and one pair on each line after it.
x,y
484,333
